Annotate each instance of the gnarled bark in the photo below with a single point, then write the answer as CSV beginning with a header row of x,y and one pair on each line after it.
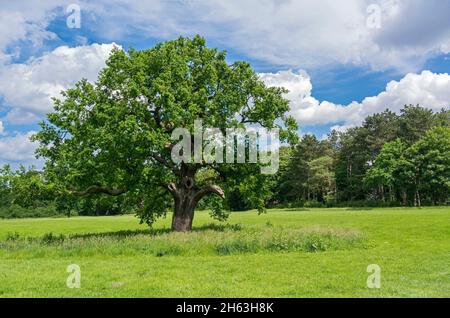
x,y
186,199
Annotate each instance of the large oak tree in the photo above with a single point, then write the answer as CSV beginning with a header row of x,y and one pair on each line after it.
x,y
114,136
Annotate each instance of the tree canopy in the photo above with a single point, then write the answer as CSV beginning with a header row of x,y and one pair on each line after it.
x,y
114,136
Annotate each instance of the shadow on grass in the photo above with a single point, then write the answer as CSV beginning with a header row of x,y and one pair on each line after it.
x,y
218,227
359,209
120,234
156,232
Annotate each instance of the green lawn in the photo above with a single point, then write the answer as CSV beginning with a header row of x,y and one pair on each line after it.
x,y
284,253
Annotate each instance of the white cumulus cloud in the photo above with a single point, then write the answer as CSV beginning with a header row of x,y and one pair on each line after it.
x,y
27,88
299,34
17,148
427,89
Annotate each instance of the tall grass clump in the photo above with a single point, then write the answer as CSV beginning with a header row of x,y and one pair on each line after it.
x,y
206,240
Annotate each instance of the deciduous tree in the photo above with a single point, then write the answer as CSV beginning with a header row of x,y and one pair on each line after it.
x,y
114,136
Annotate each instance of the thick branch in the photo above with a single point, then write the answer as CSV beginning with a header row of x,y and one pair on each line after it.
x,y
162,161
157,116
168,127
173,190
209,189
98,189
251,121
166,163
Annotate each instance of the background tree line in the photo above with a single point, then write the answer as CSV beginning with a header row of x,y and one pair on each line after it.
x,y
391,159
27,193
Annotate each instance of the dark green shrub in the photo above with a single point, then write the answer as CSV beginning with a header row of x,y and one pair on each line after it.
x,y
50,238
12,236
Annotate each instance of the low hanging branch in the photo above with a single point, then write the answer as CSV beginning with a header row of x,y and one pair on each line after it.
x,y
209,189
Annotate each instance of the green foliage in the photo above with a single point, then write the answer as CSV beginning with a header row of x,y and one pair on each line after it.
x,y
16,211
385,172
14,236
422,169
218,211
321,178
50,238
308,173
25,193
360,147
389,160
415,121
114,136
428,168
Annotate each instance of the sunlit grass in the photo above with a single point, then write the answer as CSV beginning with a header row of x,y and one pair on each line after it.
x,y
284,253
207,240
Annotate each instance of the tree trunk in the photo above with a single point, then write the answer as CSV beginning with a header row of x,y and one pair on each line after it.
x,y
404,197
186,198
183,193
183,216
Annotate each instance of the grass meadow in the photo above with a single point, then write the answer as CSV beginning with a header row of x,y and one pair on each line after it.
x,y
283,253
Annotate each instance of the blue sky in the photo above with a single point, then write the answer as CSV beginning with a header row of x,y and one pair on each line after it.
x,y
340,61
